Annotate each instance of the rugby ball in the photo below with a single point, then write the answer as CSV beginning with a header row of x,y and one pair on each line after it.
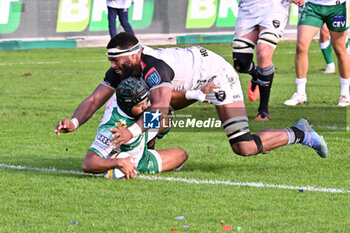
x,y
115,173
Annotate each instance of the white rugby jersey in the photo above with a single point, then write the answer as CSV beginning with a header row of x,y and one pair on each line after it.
x,y
179,68
182,68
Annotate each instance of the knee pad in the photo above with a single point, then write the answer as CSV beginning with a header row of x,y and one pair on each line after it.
x,y
269,37
242,53
265,75
258,143
237,129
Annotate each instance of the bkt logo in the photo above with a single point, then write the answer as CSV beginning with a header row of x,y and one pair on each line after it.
x,y
151,119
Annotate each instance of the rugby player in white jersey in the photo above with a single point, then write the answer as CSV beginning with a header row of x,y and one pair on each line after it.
x,y
259,23
177,76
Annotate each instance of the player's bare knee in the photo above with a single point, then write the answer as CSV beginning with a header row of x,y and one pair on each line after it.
x,y
244,149
263,53
184,155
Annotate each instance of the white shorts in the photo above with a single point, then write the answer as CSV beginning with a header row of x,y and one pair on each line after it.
x,y
274,17
230,90
215,69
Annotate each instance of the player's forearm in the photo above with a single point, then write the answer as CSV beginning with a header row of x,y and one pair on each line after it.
x,y
85,110
179,101
100,165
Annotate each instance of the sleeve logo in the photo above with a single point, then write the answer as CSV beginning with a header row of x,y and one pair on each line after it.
x,y
152,77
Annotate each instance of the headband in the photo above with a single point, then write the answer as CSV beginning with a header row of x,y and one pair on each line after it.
x,y
114,52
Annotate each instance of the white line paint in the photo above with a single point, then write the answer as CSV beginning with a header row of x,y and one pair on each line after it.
x,y
51,62
247,184
190,181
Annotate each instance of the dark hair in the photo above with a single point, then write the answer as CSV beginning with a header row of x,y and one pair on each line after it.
x,y
124,40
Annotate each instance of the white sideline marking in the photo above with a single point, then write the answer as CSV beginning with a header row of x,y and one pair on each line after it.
x,y
50,62
190,181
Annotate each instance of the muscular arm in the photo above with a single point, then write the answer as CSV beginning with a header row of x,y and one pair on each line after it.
x,y
179,101
95,164
86,109
91,104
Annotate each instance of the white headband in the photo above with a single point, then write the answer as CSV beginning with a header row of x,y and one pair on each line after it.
x,y
114,52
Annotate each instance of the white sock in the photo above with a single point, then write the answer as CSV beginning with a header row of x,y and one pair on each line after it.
x,y
344,86
301,85
331,66
325,44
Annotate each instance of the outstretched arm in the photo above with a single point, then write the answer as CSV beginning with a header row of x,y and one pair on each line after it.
x,y
85,110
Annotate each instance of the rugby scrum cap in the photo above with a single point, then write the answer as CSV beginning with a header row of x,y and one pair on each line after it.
x,y
130,92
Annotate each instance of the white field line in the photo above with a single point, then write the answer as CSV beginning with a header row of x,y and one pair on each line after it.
x,y
90,61
51,62
191,181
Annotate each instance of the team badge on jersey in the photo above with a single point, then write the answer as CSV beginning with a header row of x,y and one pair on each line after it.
x,y
276,23
121,124
152,77
220,95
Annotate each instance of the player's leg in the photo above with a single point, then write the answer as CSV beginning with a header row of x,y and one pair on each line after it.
x,y
232,113
326,49
112,15
267,43
235,124
154,161
236,127
309,24
173,158
244,41
123,18
305,36
338,27
338,39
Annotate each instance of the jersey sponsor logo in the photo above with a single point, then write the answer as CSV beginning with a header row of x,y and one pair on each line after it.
x,y
152,77
220,95
236,97
203,52
276,23
339,21
103,139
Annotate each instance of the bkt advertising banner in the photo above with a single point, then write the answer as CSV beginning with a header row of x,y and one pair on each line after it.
x,y
74,18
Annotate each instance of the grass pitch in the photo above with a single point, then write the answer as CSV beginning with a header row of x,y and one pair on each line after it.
x,y
40,87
